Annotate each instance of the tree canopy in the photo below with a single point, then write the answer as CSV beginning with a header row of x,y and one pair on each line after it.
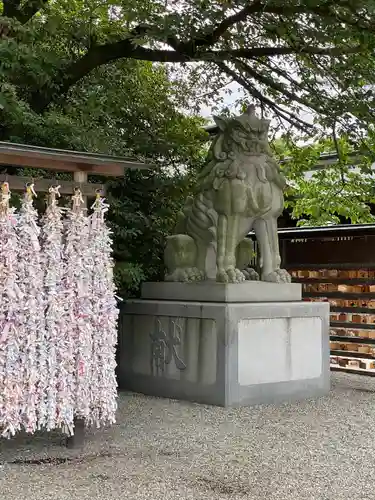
x,y
332,188
127,107
123,77
290,55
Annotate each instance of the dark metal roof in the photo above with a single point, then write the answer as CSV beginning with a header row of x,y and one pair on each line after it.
x,y
211,129
333,230
333,227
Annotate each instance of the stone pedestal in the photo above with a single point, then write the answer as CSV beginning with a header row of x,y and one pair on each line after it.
x,y
212,345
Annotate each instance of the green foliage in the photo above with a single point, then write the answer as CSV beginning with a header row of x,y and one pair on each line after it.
x,y
128,108
144,210
89,75
292,57
342,191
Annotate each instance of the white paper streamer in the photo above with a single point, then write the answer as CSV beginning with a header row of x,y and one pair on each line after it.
x,y
105,316
58,317
55,314
78,286
32,330
11,379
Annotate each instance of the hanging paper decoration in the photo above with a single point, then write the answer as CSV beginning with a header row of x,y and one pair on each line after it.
x,y
58,316
59,395
32,329
11,377
105,315
78,286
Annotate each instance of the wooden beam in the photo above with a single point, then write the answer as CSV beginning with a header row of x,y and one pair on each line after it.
x,y
18,183
20,155
59,165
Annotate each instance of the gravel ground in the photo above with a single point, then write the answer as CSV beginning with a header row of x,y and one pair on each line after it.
x,y
162,449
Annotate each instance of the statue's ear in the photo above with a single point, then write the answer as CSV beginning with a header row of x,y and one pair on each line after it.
x,y
220,122
250,109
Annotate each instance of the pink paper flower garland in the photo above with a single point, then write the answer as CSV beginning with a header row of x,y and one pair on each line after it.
x,y
32,328
58,316
56,346
78,287
11,316
104,319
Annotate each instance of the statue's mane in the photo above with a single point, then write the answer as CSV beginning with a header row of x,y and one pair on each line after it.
x,y
239,136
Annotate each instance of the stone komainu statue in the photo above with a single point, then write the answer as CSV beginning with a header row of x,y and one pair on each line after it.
x,y
240,189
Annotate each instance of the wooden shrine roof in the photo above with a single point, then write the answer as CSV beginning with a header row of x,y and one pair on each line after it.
x,y
21,155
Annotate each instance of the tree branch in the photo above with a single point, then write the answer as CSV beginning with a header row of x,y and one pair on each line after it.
x,y
144,30
282,113
215,90
281,73
95,57
273,84
23,14
209,39
10,8
30,9
209,36
99,55
281,51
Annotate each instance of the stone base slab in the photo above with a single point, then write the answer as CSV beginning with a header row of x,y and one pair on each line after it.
x,y
211,291
225,354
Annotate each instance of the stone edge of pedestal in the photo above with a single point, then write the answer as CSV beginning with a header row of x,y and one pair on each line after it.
x,y
248,292
223,392
277,392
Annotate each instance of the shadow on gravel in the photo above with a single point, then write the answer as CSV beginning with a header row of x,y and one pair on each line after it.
x,y
60,460
364,389
219,486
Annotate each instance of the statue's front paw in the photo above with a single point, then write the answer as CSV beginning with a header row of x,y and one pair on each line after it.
x,y
194,274
186,275
231,275
278,276
285,277
250,274
272,277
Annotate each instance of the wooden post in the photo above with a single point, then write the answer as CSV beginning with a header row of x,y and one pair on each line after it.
x,y
80,177
77,440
